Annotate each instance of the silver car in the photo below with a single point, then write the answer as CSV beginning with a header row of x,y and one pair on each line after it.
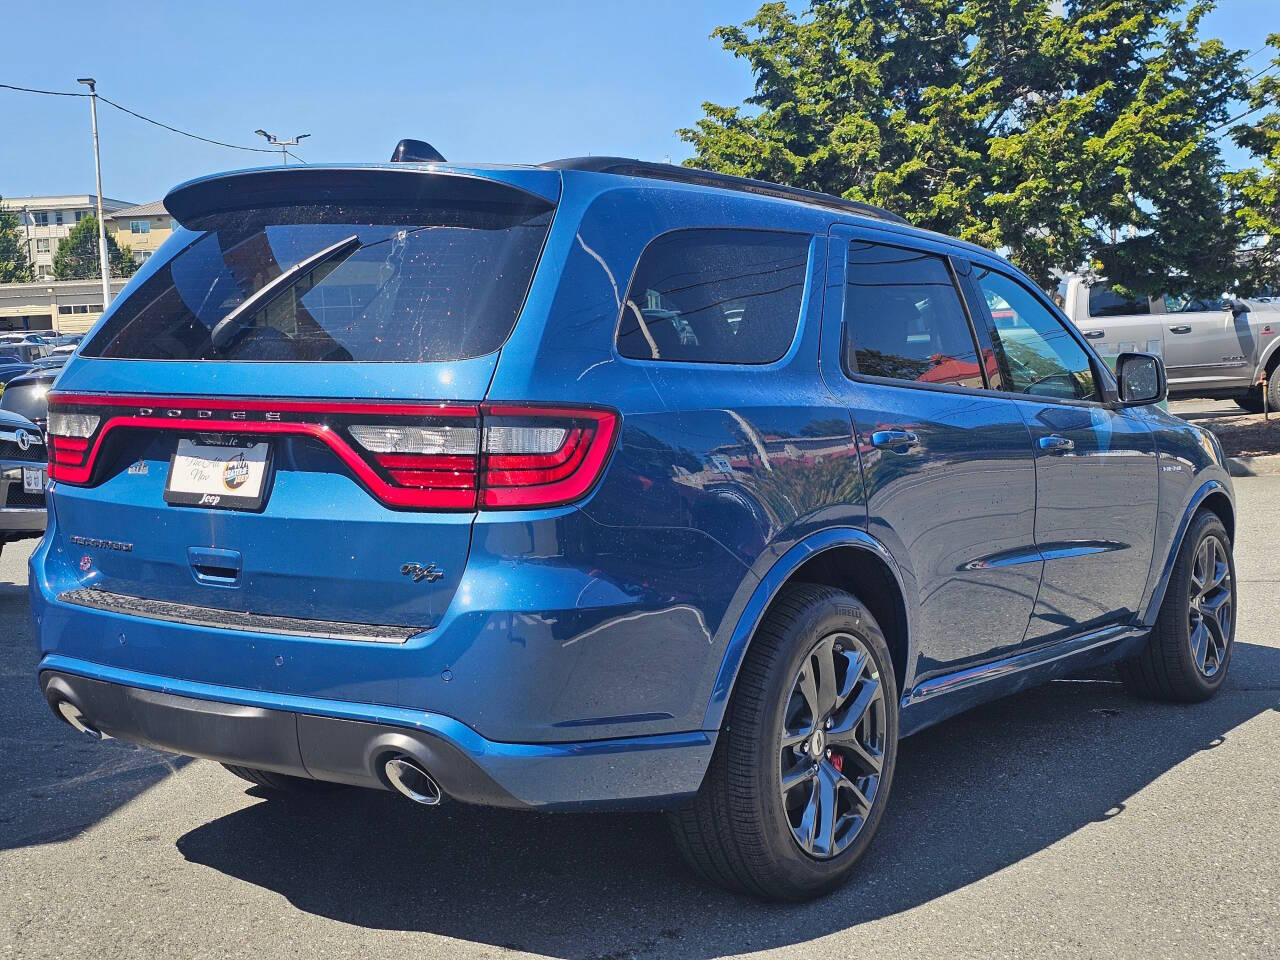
x,y
1215,348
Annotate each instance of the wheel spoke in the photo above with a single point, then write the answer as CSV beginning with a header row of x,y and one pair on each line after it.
x,y
857,661
871,763
825,819
846,725
1200,643
827,690
801,773
809,690
1200,568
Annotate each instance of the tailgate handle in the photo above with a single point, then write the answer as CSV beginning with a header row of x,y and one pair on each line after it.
x,y
219,568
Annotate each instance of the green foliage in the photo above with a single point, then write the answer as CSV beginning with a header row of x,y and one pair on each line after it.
x,y
1063,140
77,254
1257,189
15,267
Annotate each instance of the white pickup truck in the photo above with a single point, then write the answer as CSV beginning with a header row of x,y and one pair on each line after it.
x,y
1211,348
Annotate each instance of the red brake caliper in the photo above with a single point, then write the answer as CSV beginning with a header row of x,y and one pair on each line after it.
x,y
837,761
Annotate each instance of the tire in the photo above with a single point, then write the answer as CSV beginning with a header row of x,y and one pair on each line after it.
x,y
1252,401
281,782
740,831
1183,663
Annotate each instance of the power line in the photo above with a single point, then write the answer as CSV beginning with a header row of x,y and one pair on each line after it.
x,y
193,136
47,93
134,113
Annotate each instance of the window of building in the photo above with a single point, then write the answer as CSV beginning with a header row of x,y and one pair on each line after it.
x,y
40,218
903,318
57,217
1106,302
715,296
81,214
42,244
1039,355
142,256
139,226
64,308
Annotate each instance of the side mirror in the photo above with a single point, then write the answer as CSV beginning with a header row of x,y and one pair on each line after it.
x,y
1141,379
1238,307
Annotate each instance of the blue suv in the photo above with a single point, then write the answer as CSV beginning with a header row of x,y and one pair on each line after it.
x,y
604,484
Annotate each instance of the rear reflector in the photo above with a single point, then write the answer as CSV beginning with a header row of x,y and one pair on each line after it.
x,y
414,456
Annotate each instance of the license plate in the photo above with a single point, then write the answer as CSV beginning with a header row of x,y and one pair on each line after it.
x,y
230,475
33,479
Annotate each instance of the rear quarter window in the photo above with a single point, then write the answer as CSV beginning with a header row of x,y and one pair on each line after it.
x,y
715,296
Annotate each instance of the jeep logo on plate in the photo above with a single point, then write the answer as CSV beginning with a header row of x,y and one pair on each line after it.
x,y
430,573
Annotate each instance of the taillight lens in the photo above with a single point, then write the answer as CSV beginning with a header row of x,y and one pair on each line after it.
x,y
539,457
409,455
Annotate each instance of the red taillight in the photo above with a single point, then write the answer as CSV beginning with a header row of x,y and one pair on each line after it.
x,y
421,456
539,457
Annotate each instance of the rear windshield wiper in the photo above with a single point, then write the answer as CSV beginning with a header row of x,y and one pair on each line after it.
x,y
229,327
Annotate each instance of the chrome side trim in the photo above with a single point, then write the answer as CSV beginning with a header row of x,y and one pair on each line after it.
x,y
195,616
962,679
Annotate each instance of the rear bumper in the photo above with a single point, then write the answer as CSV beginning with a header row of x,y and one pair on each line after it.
x,y
22,521
346,742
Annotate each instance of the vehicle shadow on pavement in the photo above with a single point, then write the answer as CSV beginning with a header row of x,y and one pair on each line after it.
x,y
971,797
55,783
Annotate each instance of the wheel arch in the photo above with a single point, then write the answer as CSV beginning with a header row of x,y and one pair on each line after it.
x,y
848,559
1212,496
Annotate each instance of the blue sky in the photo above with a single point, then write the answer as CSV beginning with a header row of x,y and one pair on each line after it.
x,y
482,80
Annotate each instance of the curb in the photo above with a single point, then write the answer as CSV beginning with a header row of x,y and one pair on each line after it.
x,y
1254,466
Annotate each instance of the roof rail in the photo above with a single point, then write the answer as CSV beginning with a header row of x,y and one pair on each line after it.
x,y
624,166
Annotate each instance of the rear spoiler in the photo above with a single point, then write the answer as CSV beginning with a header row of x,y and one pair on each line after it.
x,y
530,188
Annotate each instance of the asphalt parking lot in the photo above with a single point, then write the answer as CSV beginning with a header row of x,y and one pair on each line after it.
x,y
1066,821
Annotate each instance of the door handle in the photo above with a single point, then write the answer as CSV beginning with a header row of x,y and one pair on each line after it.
x,y
1094,334
1182,328
1055,443
218,568
894,438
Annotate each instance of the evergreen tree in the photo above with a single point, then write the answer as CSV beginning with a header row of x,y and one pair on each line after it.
x,y
15,267
1063,140
77,254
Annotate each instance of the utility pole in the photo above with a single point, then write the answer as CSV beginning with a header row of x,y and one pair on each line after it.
x,y
103,260
284,145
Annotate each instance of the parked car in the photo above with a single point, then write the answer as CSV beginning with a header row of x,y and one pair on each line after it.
x,y
604,484
1214,348
27,394
22,479
10,369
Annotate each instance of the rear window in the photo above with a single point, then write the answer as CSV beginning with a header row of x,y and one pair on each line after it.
x,y
27,398
715,296
1105,302
412,284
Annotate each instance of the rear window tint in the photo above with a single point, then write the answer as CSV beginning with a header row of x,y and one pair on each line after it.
x,y
715,296
903,319
440,282
1105,302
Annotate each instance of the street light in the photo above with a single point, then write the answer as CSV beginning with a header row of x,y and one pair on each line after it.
x,y
284,145
97,172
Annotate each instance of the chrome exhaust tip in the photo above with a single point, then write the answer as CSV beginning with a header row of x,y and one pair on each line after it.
x,y
71,713
410,780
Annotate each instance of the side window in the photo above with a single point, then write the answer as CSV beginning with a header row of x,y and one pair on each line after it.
x,y
903,318
1042,358
715,296
1184,303
1105,302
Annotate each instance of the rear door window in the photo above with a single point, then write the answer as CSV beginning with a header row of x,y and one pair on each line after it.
x,y
715,296
904,320
1106,302
439,282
